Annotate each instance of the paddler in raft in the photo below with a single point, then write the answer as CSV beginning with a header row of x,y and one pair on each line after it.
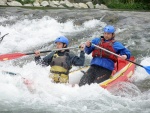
x,y
102,63
61,61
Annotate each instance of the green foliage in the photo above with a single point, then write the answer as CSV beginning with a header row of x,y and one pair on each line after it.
x,y
126,1
128,4
138,6
25,1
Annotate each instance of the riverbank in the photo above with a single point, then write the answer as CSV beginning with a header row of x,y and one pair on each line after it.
x,y
54,4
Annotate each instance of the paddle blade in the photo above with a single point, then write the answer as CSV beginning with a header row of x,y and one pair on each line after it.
x,y
147,68
11,56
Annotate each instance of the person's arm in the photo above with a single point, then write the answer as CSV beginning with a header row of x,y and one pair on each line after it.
x,y
77,61
45,61
88,50
88,45
120,49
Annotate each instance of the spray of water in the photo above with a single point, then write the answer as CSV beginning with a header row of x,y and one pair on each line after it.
x,y
47,96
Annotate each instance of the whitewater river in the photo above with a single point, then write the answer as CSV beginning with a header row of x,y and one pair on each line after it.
x,y
31,30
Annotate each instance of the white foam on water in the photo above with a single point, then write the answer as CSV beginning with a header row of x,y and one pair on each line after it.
x,y
46,95
27,34
140,73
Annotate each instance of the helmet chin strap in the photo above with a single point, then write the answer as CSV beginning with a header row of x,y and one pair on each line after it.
x,y
64,45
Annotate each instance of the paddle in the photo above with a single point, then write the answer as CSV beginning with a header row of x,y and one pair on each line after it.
x,y
3,37
147,68
17,55
11,73
29,83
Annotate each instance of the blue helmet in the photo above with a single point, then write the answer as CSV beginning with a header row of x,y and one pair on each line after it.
x,y
109,29
62,39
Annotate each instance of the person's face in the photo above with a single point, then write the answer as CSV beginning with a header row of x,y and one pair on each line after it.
x,y
108,36
59,45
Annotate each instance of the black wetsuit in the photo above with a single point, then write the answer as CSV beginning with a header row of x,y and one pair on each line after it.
x,y
71,59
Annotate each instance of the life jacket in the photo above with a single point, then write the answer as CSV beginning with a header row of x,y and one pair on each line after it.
x,y
101,53
59,64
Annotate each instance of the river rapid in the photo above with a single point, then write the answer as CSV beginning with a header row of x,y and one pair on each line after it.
x,y
35,29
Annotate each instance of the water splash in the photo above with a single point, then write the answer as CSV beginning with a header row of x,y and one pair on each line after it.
x,y
51,97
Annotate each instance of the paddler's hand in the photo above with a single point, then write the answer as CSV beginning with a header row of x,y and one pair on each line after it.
x,y
123,56
82,46
37,53
88,44
96,41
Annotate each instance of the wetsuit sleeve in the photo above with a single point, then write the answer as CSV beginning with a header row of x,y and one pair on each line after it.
x,y
120,49
45,61
95,41
77,61
88,50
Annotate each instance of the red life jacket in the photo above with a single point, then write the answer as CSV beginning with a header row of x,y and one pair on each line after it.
x,y
107,45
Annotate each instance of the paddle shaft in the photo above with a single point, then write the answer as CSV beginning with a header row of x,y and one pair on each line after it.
x,y
3,37
116,54
10,56
52,50
10,73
